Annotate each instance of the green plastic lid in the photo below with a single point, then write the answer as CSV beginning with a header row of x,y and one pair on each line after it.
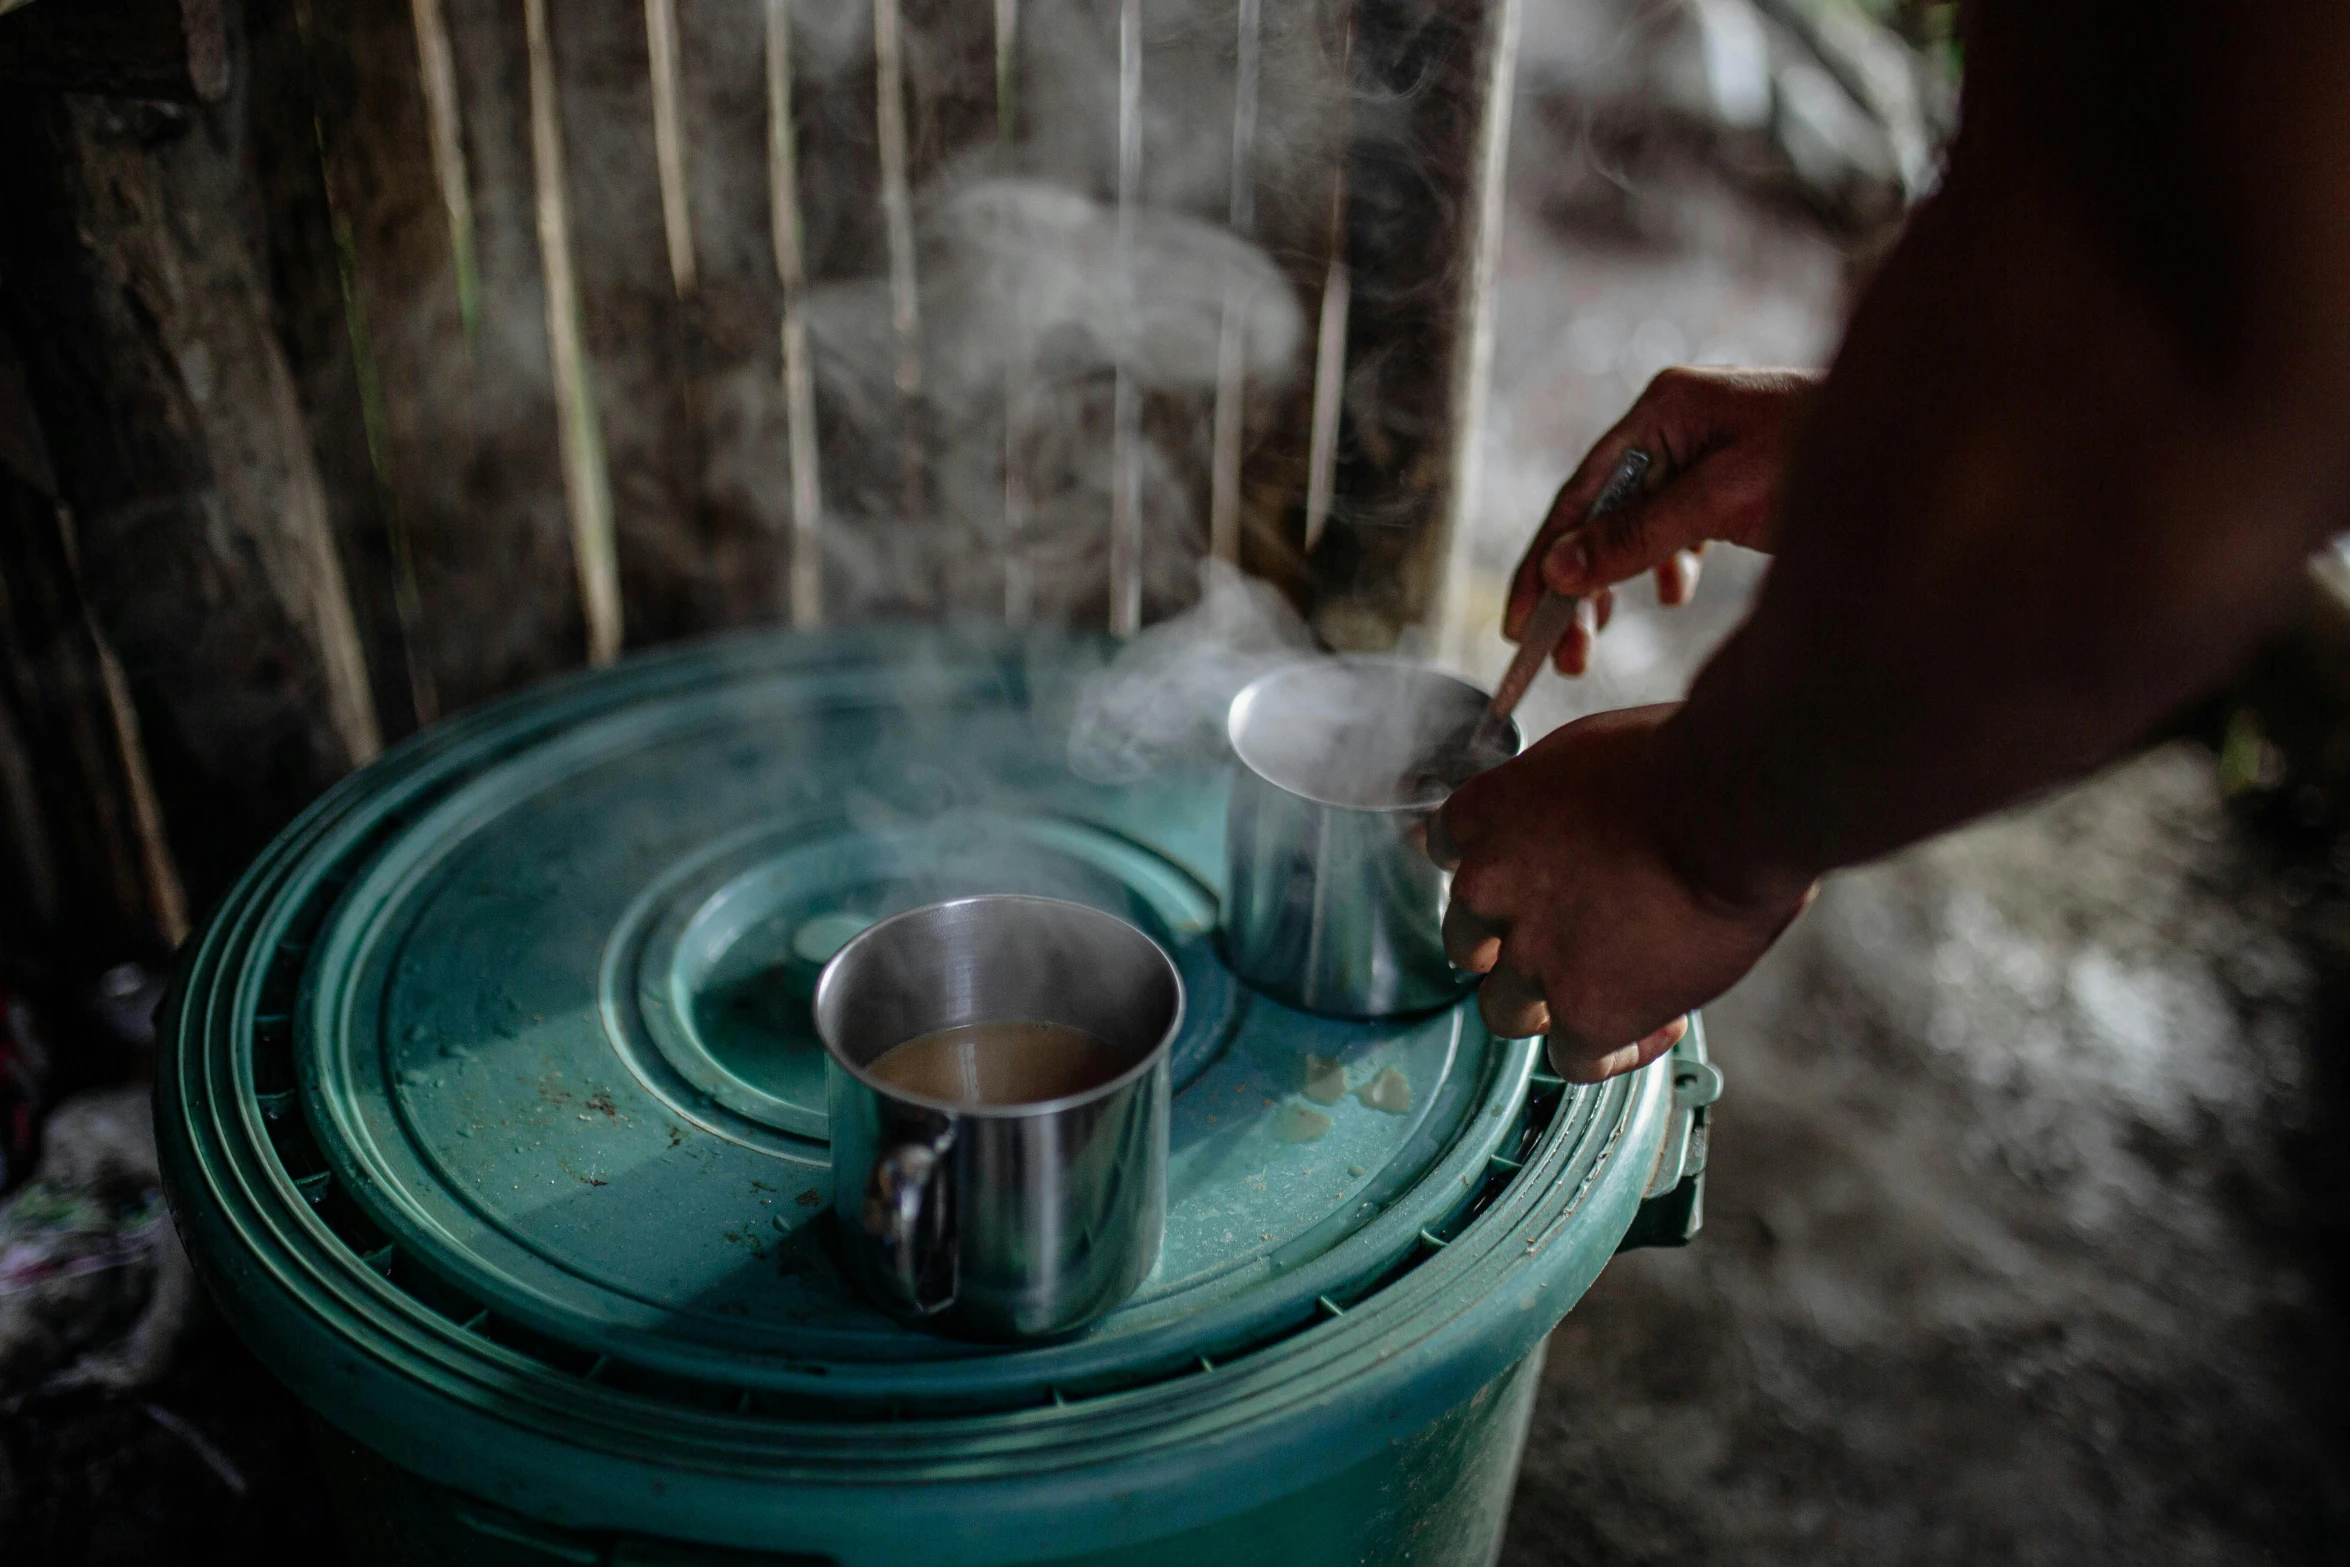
x,y
493,1110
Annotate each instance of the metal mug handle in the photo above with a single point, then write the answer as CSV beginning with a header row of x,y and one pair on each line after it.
x,y
905,1212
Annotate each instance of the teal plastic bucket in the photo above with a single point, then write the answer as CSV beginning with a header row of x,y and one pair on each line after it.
x,y
491,1111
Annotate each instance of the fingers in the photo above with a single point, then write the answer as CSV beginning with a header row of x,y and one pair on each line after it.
x,y
1591,617
1676,579
1652,533
1604,551
1566,514
1583,1066
1512,1005
1574,650
1471,940
1726,494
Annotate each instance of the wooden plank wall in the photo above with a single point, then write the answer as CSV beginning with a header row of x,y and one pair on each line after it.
x,y
456,343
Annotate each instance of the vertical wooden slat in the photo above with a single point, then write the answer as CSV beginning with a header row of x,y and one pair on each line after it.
x,y
437,76
897,211
82,814
669,141
1304,122
1473,368
1019,579
1126,406
460,393
1007,69
1329,397
70,820
330,346
897,204
1425,154
691,426
247,325
159,873
799,376
1231,415
312,571
586,481
695,547
407,601
209,563
1330,341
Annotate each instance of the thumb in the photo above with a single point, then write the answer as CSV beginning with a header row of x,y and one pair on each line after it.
x,y
1697,506
1606,550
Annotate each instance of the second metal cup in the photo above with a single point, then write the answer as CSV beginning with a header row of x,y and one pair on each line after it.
x,y
1331,902
1003,1221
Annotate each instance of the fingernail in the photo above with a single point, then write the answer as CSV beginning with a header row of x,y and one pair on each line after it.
x,y
1616,1061
1568,564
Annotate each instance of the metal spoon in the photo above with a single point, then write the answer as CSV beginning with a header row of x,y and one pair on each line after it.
x,y
1486,742
1555,611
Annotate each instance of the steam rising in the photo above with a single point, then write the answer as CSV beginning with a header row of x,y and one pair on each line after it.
x,y
1163,700
1370,734
1021,288
1027,269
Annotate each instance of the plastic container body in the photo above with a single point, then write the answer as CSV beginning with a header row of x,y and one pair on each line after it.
x,y
1437,1498
490,1110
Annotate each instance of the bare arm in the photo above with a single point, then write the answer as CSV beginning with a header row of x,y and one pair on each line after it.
x,y
2084,432
2087,426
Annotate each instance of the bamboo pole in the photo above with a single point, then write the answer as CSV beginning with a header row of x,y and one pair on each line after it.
x,y
158,870
1475,367
1231,415
1125,406
897,214
1019,580
669,141
799,376
587,483
437,69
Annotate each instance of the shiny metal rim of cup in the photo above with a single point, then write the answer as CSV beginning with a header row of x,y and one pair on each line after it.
x,y
1150,1058
1237,717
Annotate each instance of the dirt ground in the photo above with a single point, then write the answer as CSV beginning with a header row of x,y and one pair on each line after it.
x,y
2017,1241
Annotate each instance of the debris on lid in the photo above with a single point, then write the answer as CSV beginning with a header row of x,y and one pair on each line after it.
x,y
1325,1082
1390,1091
1300,1124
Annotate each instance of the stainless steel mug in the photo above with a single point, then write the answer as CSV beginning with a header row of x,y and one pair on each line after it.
x,y
1331,902
1003,1221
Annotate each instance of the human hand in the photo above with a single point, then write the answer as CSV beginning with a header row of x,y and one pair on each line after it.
x,y
1566,897
1720,438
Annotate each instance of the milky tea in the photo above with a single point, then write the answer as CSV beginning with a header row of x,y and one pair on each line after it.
x,y
999,1064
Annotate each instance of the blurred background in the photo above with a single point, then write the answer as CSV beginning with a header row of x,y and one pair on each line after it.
x,y
359,363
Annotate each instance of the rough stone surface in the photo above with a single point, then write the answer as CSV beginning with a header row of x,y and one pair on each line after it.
x,y
2012,1248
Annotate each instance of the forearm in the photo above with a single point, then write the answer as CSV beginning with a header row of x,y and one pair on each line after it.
x,y
2031,516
